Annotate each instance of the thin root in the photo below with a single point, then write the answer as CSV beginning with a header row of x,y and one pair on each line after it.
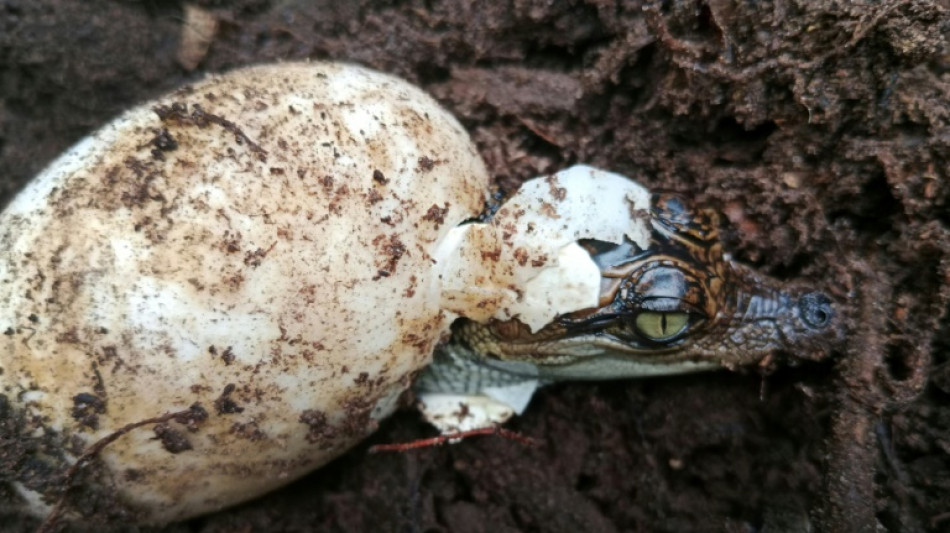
x,y
454,437
189,417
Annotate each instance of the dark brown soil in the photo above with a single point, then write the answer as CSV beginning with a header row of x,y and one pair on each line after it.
x,y
820,130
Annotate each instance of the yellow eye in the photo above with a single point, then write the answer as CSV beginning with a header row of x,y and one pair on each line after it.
x,y
661,326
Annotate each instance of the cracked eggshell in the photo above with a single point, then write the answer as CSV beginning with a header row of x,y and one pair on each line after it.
x,y
526,263
260,243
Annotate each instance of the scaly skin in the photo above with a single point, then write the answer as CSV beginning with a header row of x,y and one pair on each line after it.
x,y
733,317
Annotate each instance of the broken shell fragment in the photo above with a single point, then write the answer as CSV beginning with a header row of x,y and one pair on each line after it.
x,y
529,263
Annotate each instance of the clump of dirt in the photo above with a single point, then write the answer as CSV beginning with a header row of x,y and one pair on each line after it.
x,y
821,130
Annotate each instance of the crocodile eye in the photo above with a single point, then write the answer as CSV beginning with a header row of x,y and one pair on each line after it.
x,y
661,326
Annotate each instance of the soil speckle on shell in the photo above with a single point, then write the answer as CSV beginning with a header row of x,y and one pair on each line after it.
x,y
173,440
225,404
87,408
819,129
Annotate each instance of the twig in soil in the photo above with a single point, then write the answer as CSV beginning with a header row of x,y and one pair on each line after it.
x,y
189,417
535,129
857,426
936,519
451,437
852,454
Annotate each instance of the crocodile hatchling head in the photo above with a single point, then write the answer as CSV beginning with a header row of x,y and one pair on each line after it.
x,y
678,305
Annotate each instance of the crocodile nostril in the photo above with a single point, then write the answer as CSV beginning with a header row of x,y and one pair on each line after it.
x,y
816,309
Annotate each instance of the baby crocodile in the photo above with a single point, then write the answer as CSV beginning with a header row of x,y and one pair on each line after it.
x,y
680,305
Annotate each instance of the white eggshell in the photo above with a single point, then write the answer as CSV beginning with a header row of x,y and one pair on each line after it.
x,y
526,262
261,243
456,413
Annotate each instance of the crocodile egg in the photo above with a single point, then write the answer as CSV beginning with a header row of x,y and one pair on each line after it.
x,y
259,245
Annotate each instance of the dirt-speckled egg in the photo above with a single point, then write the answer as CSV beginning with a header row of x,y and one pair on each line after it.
x,y
259,245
